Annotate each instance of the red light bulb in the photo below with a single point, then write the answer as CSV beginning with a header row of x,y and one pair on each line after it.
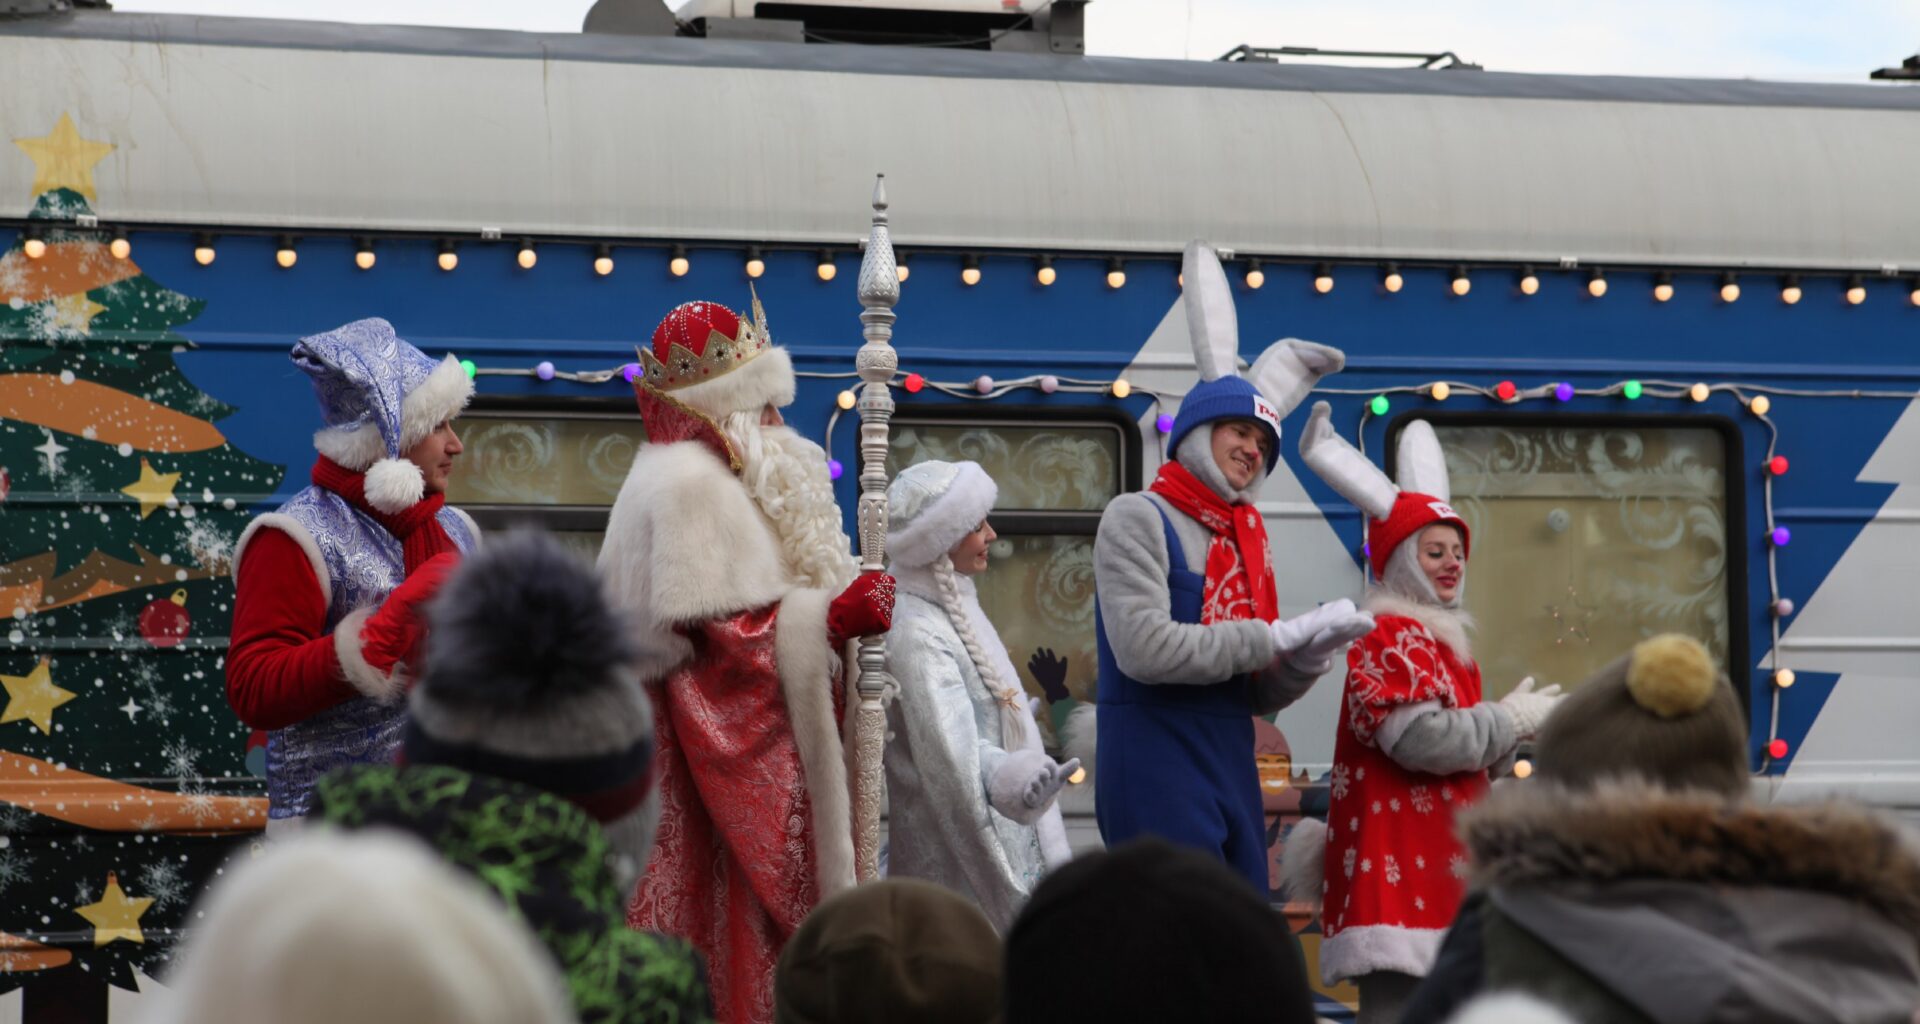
x,y
1506,390
914,383
1777,749
1777,465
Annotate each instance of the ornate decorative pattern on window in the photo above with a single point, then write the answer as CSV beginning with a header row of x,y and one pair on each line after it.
x,y
1588,540
1038,468
543,460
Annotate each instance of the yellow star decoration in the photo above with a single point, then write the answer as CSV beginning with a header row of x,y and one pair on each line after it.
x,y
116,916
152,490
75,313
33,697
62,159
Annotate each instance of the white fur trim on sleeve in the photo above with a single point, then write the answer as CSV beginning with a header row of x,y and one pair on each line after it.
x,y
766,379
291,527
806,665
384,687
440,397
394,485
1398,721
1006,791
946,519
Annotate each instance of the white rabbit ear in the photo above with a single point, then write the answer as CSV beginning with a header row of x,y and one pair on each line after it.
x,y
1420,462
1211,322
1343,467
1287,371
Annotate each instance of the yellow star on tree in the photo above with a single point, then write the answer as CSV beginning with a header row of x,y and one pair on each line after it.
x,y
33,697
152,490
62,159
116,916
75,313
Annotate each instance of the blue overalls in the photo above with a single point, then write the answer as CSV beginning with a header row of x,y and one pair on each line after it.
x,y
1176,760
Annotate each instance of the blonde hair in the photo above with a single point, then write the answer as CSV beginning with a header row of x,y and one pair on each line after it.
x,y
786,475
365,927
1006,692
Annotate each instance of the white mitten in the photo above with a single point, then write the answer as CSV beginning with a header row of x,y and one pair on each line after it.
x,y
1341,632
1026,784
1529,707
1289,635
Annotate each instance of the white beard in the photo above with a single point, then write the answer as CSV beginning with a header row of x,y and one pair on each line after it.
x,y
786,475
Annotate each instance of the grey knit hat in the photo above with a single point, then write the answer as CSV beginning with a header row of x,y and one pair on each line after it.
x,y
1663,712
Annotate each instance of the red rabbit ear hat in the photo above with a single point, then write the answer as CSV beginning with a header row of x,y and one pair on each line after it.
x,y
1412,512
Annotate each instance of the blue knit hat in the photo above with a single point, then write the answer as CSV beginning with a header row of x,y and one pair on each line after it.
x,y
1228,398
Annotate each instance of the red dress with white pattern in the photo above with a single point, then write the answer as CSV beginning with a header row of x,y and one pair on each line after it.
x,y
1394,870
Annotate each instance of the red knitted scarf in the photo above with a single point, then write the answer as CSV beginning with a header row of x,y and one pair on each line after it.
x,y
417,527
1239,564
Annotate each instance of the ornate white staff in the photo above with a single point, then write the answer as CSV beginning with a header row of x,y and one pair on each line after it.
x,y
876,363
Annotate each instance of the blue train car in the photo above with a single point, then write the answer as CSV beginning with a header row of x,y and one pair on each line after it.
x,y
1665,328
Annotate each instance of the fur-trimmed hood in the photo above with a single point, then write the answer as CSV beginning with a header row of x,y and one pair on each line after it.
x,y
1693,908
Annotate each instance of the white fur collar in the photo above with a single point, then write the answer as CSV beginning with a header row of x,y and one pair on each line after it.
x,y
1448,625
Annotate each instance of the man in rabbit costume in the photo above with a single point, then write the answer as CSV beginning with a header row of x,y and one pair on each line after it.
x,y
1191,645
1415,739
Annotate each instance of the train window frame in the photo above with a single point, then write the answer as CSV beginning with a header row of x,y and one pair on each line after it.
x,y
1018,522
1739,668
496,516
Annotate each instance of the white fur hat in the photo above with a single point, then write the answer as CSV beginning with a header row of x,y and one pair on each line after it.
x,y
931,505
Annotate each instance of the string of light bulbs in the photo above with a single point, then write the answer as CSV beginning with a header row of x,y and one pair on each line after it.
x,y
38,233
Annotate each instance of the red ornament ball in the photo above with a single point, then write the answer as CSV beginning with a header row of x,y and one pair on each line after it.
x,y
1777,465
164,622
1777,749
914,383
1505,390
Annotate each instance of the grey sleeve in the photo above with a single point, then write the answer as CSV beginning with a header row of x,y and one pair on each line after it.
x,y
1279,685
1130,561
1442,741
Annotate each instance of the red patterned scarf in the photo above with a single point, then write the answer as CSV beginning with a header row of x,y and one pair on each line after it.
x,y
417,527
1239,564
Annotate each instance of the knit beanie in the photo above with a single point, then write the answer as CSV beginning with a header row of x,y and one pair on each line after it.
x,y
1663,712
932,505
894,950
527,679
1228,398
1153,932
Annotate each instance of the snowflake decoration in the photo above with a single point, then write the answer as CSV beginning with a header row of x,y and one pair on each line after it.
x,y
1420,862
1376,807
84,893
181,760
1366,865
1394,805
1340,781
1419,904
1422,798
1346,862
162,880
14,868
1458,865
1392,870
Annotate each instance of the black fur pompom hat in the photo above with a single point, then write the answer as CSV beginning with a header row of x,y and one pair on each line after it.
x,y
528,678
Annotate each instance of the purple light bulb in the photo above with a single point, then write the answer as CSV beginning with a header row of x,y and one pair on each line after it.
x,y
1780,536
544,370
1164,423
1563,391
834,469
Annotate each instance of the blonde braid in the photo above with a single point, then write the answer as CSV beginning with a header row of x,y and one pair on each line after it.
x,y
1013,717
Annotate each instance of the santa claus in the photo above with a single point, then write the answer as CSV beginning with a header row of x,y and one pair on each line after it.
x,y
726,549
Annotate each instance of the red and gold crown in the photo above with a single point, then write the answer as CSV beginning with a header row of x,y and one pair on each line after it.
x,y
700,341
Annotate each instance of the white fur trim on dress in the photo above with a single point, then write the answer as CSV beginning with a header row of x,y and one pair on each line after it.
x,y
685,543
291,527
767,379
395,485
1006,791
1379,947
1509,1008
1303,876
441,396
384,687
1447,625
945,520
806,663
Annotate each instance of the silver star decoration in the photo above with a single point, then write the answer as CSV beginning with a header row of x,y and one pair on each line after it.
x,y
52,450
131,709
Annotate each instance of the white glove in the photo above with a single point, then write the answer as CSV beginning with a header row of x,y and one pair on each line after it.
x,y
1047,783
1309,641
1529,707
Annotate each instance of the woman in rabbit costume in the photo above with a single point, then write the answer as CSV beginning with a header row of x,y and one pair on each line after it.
x,y
970,791
1191,645
1415,740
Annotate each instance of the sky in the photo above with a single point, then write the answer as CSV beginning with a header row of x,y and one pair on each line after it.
x,y
1794,40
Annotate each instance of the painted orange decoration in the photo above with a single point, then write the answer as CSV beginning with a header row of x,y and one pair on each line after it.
x,y
18,954
100,413
68,268
108,805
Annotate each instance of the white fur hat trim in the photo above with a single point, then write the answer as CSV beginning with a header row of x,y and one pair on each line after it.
x,y
394,485
932,505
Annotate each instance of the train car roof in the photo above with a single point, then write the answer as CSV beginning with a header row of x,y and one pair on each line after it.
x,y
265,123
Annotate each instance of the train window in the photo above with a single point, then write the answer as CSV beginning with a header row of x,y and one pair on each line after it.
x,y
1054,480
1591,535
558,470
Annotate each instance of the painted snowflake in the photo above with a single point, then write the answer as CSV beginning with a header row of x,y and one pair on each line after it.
x,y
1346,861
1392,870
162,880
1394,805
1422,798
1420,861
1458,865
1366,865
1340,781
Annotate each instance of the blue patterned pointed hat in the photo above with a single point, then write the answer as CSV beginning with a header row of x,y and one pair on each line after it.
x,y
379,396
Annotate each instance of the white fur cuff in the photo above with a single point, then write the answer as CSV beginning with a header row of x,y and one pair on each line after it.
x,y
385,687
1006,791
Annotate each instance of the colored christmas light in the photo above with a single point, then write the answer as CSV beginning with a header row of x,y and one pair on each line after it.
x,y
467,365
1049,384
1783,678
1120,388
1163,423
630,371
1631,390
1777,465
544,370
845,400
1760,405
1505,390
1777,749
1783,607
1440,391
1781,536
914,383
1379,405
1699,392
983,384
834,469
1563,391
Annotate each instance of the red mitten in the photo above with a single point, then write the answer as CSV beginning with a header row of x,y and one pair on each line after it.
x,y
394,632
865,608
